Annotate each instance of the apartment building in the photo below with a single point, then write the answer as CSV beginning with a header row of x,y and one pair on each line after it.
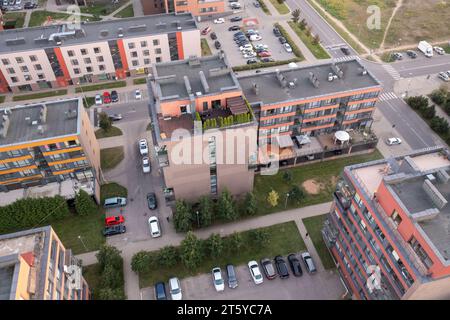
x,y
61,55
35,265
309,104
393,215
196,7
48,149
203,129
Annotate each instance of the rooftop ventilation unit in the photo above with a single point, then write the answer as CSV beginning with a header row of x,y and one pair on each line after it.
x,y
4,126
71,114
41,40
293,83
120,32
332,77
187,84
337,70
40,129
255,88
16,41
34,122
104,33
194,61
204,82
138,28
198,93
281,79
43,114
362,71
313,79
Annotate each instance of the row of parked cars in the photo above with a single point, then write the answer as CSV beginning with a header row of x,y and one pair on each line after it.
x,y
12,5
444,75
282,39
413,54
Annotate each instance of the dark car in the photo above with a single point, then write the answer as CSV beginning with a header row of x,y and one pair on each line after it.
x,y
231,276
234,28
115,117
345,50
281,267
30,5
160,291
114,96
236,19
213,36
295,265
276,32
282,40
256,4
268,269
267,59
112,230
411,54
151,200
251,61
397,56
217,45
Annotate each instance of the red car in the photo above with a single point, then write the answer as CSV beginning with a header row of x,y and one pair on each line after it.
x,y
106,97
206,30
112,221
264,54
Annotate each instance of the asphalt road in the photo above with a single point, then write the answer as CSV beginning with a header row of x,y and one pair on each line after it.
x,y
421,65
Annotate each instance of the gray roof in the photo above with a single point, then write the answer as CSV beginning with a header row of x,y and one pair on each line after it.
x,y
41,37
26,123
270,89
205,75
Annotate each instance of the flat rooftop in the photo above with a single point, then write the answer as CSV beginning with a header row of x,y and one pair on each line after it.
x,y
295,84
196,76
44,37
26,123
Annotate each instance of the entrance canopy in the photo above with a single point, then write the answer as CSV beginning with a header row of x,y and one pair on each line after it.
x,y
285,141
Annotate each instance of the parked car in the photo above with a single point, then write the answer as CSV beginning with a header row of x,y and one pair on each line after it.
x,y
287,47
114,202
246,47
151,201
439,50
160,291
205,31
411,54
213,35
98,100
264,54
295,265
282,40
397,56
217,279
393,141
234,28
249,55
115,117
155,228
106,97
444,76
236,19
231,276
281,267
175,289
143,147
217,45
255,272
235,5
256,4
309,262
112,221
268,268
137,94
219,20
267,60
114,96
255,37
277,32
146,167
112,230
251,61
30,5
345,50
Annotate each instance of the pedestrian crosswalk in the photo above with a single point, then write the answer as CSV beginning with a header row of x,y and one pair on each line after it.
x,y
346,58
392,72
387,96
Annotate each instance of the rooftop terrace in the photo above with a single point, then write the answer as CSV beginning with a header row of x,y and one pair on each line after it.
x,y
306,82
26,123
49,36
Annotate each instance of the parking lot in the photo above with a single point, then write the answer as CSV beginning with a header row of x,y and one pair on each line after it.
x,y
14,5
323,285
225,37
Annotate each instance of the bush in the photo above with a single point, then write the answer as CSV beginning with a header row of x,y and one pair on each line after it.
x,y
418,102
206,211
111,270
439,125
287,176
297,194
225,205
141,261
235,242
191,251
429,113
182,216
168,256
104,121
259,236
439,96
250,204
447,107
215,245
84,204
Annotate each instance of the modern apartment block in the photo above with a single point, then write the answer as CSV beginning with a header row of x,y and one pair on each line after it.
x,y
48,149
34,265
61,55
196,7
393,215
310,104
203,129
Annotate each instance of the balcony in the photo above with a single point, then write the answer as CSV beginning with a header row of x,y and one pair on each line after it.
x,y
162,156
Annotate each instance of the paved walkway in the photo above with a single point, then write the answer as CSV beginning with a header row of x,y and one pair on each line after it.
x,y
129,249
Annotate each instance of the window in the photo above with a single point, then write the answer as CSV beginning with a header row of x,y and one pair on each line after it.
x,y
5,61
135,63
143,44
156,42
183,109
14,79
396,218
131,45
33,58
146,52
83,52
89,69
101,67
420,252
27,77
147,61
70,53
24,68
11,71
41,76
76,71
158,59
158,50
74,62
100,59
87,60
37,67
97,50
134,54
19,59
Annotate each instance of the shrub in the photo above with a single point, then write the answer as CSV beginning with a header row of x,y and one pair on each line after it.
x,y
182,217
287,176
111,270
235,242
439,96
191,252
225,205
250,204
168,256
215,245
429,113
141,261
296,193
439,125
272,198
206,211
418,102
104,121
259,236
84,204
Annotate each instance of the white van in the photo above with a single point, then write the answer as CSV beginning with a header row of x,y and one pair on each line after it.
x,y
155,229
115,202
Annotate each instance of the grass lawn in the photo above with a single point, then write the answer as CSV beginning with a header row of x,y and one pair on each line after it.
x,y
2,99
93,277
281,7
111,157
149,127
113,132
112,189
316,49
96,87
18,16
284,239
126,12
88,102
40,16
88,227
140,81
446,48
40,95
101,9
314,227
264,7
387,57
323,173
206,51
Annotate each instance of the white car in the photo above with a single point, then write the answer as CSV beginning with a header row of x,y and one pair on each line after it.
x,y
98,100
219,20
255,37
250,55
146,165
235,5
261,46
287,47
154,227
175,289
143,147
138,94
218,279
444,76
247,46
255,272
439,50
393,141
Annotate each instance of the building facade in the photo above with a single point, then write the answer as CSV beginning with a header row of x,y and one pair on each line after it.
x,y
48,149
388,227
196,7
61,55
204,131
35,265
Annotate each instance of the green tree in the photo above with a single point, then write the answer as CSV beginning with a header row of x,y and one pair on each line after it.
x,y
206,211
316,39
235,242
439,96
308,31
296,194
141,261
272,198
104,121
215,245
182,217
287,176
84,204
109,255
447,106
259,236
191,251
439,124
168,256
417,102
295,16
250,204
111,294
429,113
111,277
302,24
225,205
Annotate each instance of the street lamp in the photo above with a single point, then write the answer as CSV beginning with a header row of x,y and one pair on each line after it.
x,y
287,196
198,220
82,92
82,242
